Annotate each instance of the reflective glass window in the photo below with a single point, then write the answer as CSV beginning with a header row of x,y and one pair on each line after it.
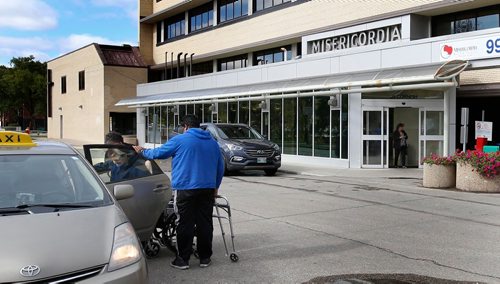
x,y
244,112
255,116
290,126
305,126
276,120
321,127
222,112
232,112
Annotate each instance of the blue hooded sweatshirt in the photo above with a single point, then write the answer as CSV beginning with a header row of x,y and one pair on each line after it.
x,y
197,162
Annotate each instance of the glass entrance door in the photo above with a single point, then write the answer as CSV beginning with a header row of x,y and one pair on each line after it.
x,y
375,137
431,138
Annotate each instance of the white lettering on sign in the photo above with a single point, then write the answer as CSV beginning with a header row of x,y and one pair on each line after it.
x,y
364,38
476,48
484,129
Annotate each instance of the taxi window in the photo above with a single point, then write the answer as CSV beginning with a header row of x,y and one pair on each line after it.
x,y
48,179
121,164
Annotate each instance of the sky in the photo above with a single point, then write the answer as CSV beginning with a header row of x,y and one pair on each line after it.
x,y
47,29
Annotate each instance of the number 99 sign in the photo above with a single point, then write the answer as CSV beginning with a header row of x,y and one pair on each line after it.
x,y
493,46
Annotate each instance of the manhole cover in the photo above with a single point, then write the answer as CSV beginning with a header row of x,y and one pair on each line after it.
x,y
383,279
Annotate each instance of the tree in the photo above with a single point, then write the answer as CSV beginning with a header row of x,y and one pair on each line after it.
x,y
23,88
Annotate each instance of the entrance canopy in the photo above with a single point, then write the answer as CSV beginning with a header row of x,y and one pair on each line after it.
x,y
379,81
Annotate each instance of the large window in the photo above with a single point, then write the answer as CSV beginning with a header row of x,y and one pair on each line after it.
x,y
272,55
255,115
345,126
244,112
222,112
235,62
201,17
321,127
480,19
305,126
232,112
203,68
290,126
259,5
232,9
207,113
174,27
276,120
159,32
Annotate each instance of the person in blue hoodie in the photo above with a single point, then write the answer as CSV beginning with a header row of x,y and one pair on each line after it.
x,y
197,171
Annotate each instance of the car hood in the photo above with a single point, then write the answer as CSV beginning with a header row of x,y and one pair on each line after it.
x,y
252,143
58,243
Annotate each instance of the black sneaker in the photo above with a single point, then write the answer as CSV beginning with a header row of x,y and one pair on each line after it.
x,y
205,262
179,263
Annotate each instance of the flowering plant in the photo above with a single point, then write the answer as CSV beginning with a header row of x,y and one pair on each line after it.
x,y
485,164
434,159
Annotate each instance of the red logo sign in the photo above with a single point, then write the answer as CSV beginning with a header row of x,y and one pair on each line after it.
x,y
447,51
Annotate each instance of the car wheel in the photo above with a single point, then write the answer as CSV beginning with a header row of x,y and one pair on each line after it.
x,y
271,172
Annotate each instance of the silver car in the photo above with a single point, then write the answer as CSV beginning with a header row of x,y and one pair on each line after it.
x,y
59,224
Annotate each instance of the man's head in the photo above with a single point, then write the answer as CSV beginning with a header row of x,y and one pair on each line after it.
x,y
190,121
118,157
113,137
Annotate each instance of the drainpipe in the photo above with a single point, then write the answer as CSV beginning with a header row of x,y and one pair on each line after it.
x,y
191,65
179,64
172,65
166,66
185,65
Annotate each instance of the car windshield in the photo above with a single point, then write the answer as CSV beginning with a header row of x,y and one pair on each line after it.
x,y
27,180
237,132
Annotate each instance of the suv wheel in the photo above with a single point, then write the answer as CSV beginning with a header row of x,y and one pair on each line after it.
x,y
270,172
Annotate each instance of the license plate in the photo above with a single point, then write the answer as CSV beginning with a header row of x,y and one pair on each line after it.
x,y
261,160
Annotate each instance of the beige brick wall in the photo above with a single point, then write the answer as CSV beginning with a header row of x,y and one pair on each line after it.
x,y
297,19
81,124
120,83
145,7
147,39
484,76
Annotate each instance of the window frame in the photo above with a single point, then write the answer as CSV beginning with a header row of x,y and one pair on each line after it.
x,y
261,5
81,80
223,5
205,10
64,84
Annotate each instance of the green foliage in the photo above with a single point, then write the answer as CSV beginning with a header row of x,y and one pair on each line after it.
x,y
23,84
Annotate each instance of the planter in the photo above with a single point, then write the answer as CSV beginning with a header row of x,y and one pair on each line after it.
x,y
439,176
470,180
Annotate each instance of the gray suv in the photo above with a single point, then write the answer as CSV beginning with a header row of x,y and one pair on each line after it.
x,y
244,148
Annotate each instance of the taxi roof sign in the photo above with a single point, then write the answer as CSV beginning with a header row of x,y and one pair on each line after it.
x,y
15,139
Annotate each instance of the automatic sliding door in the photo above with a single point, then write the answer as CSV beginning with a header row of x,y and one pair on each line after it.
x,y
373,138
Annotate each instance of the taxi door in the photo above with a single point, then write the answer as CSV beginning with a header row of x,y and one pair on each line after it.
x,y
120,164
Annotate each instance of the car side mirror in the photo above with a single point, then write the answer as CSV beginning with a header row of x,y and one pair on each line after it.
x,y
123,191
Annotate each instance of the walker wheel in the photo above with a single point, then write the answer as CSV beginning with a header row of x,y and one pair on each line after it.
x,y
234,257
152,249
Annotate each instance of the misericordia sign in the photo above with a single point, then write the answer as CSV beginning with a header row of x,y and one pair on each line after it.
x,y
357,39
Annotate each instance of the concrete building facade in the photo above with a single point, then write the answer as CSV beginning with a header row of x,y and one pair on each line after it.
x,y
84,87
326,80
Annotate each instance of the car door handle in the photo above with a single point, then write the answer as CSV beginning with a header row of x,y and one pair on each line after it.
x,y
160,188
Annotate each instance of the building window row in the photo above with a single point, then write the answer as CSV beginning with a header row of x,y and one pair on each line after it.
x,y
272,55
230,63
266,4
305,126
201,17
232,9
467,21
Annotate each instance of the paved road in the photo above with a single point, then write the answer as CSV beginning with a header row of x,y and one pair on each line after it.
x,y
292,228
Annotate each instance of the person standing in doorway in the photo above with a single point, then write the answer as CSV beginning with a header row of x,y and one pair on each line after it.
x,y
197,171
400,143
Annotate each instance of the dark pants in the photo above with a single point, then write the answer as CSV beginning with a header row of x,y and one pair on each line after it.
x,y
194,208
402,151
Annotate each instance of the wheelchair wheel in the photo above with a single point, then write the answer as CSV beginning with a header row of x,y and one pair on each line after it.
x,y
152,248
168,234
